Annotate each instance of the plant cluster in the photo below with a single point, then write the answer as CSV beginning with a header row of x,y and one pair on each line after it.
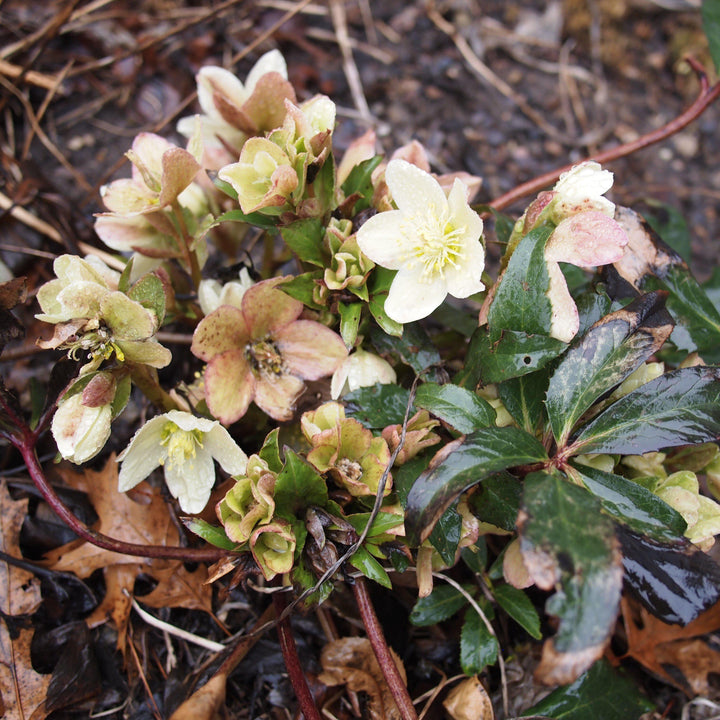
x,y
379,401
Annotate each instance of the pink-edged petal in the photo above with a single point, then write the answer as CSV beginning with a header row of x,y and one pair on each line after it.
x,y
179,169
465,279
213,81
267,309
565,320
265,109
126,196
310,350
411,299
414,191
382,238
229,386
222,330
276,395
191,482
125,234
588,239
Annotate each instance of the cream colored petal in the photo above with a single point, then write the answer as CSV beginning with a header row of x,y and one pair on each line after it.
x,y
461,214
80,432
272,61
150,148
144,453
411,299
382,238
225,450
213,79
414,191
588,239
146,352
229,386
565,319
191,481
276,395
464,279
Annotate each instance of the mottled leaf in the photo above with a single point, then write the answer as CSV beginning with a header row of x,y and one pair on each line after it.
x,y
611,350
378,406
460,465
497,500
679,408
569,546
458,407
298,486
523,398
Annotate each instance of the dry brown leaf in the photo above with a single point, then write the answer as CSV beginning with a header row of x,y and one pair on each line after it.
x,y
204,703
658,646
178,587
469,701
351,661
22,690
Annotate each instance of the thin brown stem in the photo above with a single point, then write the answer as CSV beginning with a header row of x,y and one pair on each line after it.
x,y
708,94
292,661
396,684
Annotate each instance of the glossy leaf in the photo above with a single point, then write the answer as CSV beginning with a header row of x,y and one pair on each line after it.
x,y
445,536
305,238
521,303
632,504
674,582
414,348
497,500
592,306
270,451
600,693
523,398
213,534
378,406
443,602
611,350
569,546
458,407
478,648
460,465
679,408
519,607
359,180
363,561
378,287
298,486
512,354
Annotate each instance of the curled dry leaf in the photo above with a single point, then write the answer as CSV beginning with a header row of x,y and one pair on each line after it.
x,y
469,701
351,661
205,703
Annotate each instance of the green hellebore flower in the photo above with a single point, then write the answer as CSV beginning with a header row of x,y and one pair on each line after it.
x,y
273,547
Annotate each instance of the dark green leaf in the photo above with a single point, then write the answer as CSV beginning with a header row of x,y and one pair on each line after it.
x,y
633,504
674,582
302,287
523,398
270,451
360,178
569,546
521,302
122,395
414,348
461,321
445,536
504,224
592,306
679,408
378,286
512,353
475,556
363,561
611,350
460,465
443,602
519,607
257,219
378,406
298,486
305,238
381,524
213,534
458,407
478,648
600,694
404,477
670,225
497,500
711,26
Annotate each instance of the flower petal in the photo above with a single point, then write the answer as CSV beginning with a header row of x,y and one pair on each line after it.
x,y
276,395
464,279
192,481
222,330
565,320
309,349
215,81
272,61
411,299
229,386
225,450
266,308
382,238
414,190
144,453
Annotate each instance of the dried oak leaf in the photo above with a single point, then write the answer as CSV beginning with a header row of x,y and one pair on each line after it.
x,y
469,701
686,649
351,661
22,690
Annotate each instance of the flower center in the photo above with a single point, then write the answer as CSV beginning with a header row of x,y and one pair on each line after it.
x,y
264,357
437,245
351,469
181,444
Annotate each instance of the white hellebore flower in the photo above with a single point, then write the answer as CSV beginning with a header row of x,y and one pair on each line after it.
x,y
582,188
433,241
80,431
212,294
185,446
361,369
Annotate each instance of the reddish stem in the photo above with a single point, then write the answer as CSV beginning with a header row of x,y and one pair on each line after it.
x,y
26,445
292,661
708,94
396,684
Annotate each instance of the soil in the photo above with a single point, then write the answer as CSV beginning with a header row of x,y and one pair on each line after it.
x,y
560,81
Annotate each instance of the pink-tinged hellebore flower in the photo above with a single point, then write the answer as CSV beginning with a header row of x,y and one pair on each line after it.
x,y
185,446
80,430
581,189
263,352
433,241
233,110
588,239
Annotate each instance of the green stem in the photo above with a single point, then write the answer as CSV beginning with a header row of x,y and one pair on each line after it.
x,y
146,379
190,255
